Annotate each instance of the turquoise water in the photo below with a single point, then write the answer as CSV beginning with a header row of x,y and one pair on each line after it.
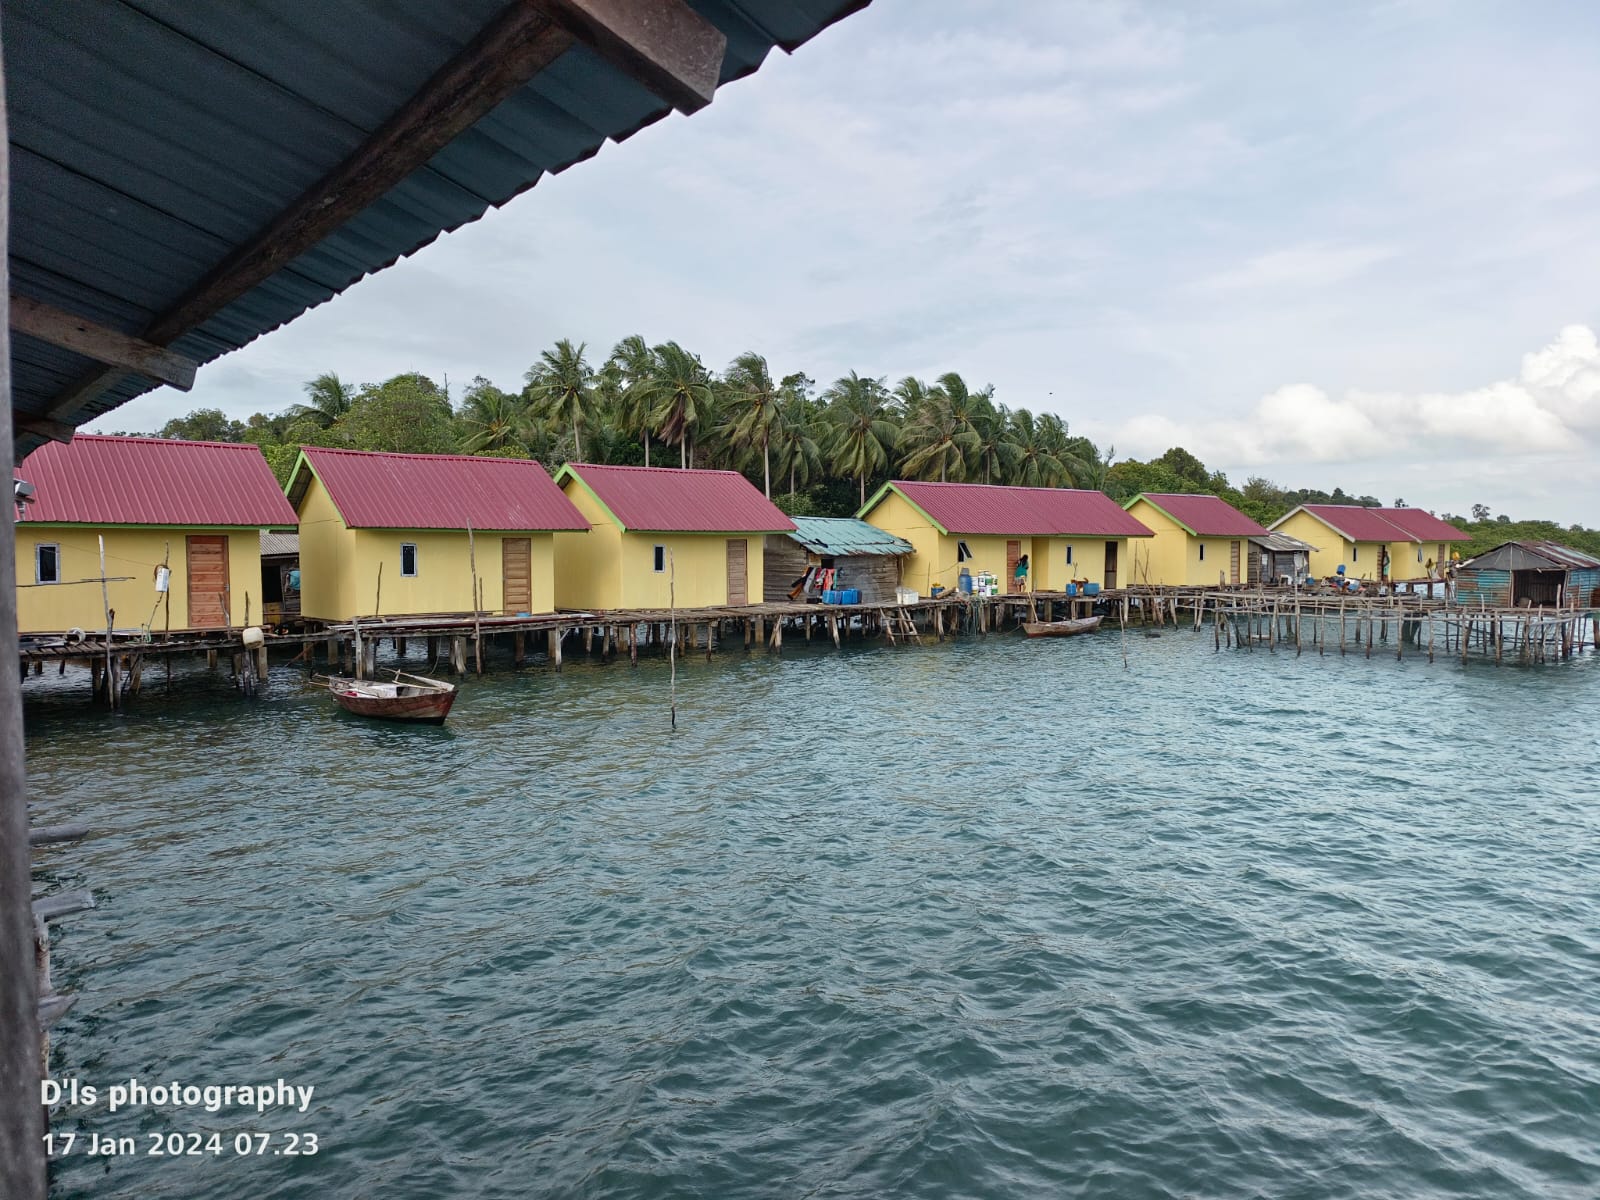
x,y
987,919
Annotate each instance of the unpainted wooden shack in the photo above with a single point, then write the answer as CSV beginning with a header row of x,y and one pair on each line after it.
x,y
1530,573
1276,556
280,575
861,556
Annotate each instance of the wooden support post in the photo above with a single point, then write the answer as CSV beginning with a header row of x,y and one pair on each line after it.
x,y
458,655
633,645
261,663
211,659
777,637
518,647
554,647
588,639
833,629
400,646
711,635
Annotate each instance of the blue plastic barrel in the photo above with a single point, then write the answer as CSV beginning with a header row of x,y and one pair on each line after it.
x,y
852,595
1091,589
1072,589
964,583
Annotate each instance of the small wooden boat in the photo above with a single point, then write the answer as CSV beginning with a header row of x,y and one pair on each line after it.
x,y
1061,628
412,698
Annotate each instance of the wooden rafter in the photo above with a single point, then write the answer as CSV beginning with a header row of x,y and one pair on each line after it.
x,y
61,328
664,44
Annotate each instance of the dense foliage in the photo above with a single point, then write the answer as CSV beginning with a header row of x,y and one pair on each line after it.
x,y
816,452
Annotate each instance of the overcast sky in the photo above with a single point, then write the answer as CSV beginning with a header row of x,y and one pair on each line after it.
x,y
1349,244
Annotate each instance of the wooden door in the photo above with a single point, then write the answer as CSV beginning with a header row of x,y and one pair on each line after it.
x,y
1233,562
1013,553
738,557
516,569
208,582
1111,566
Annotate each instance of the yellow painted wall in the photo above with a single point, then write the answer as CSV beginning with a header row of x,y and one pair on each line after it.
x,y
935,560
1174,558
608,568
339,576
133,551
1408,565
1361,559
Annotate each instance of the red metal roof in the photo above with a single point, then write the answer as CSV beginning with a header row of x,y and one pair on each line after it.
x,y
1423,525
94,480
1020,511
1355,522
669,500
1207,516
438,491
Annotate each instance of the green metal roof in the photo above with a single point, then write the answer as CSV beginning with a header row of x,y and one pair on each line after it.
x,y
841,537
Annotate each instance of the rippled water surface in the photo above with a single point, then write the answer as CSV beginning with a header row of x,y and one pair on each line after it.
x,y
989,919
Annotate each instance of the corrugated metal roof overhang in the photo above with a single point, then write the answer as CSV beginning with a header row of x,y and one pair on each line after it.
x,y
151,138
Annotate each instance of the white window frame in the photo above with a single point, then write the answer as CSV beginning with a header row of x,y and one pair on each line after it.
x,y
416,565
660,559
38,546
963,551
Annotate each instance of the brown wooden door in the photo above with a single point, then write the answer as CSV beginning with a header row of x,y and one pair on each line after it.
x,y
1110,580
516,568
1233,562
738,557
1013,553
208,581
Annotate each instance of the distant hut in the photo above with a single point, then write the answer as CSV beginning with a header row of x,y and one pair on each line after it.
x,y
859,554
280,575
1199,540
1536,574
1277,556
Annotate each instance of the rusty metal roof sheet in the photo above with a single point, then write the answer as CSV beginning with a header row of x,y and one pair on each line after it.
x,y
670,500
1282,543
153,481
842,537
279,543
1531,556
980,508
151,139
435,491
1202,515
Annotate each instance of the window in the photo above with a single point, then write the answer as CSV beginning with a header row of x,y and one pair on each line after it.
x,y
46,562
1069,554
1202,552
661,559
1419,553
1355,553
963,554
408,559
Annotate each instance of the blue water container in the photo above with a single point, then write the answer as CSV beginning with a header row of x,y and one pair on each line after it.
x,y
964,582
852,596
1091,589
1072,589
830,596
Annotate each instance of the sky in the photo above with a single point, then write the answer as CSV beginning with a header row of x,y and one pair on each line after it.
x,y
1343,245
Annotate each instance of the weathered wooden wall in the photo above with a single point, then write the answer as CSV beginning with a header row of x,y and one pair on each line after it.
x,y
876,575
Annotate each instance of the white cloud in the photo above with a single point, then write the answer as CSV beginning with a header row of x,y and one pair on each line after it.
x,y
1551,407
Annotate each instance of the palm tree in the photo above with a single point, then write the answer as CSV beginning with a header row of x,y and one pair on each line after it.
x,y
627,373
561,387
1036,463
933,437
491,420
678,394
754,400
864,432
329,399
993,452
793,440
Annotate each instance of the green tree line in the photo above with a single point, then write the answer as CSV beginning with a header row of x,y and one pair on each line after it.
x,y
814,451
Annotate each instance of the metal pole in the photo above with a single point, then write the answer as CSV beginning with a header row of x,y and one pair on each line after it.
x,y
21,1126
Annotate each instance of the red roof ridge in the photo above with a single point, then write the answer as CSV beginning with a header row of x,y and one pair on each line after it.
x,y
156,439
674,470
489,458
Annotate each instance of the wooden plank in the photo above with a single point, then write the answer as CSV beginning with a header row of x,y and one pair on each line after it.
x,y
516,586
82,336
64,904
207,567
663,44
510,50
50,835
738,570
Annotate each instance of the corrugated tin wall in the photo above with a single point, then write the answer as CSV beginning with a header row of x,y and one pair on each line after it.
x,y
1587,585
1486,587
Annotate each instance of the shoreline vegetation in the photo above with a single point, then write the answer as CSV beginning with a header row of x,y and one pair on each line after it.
x,y
814,450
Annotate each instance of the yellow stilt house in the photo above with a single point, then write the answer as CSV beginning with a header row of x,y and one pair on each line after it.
x,y
1068,535
661,535
1395,544
194,508
407,534
1200,541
